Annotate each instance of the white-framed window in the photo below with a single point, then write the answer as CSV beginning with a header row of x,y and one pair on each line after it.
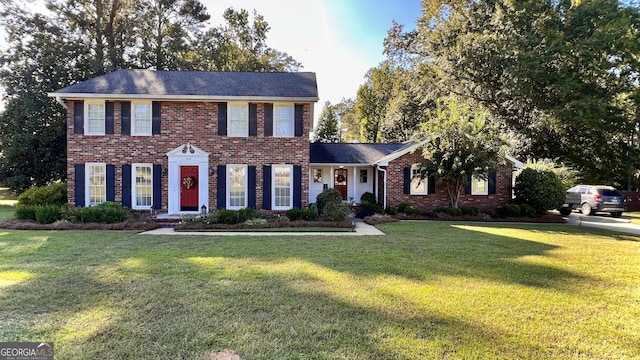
x,y
237,187
418,186
96,183
142,180
141,118
283,123
282,181
94,115
238,119
479,186
364,176
317,175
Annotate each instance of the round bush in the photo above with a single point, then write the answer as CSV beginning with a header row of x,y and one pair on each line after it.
x,y
54,194
511,210
539,188
368,200
328,198
527,210
229,217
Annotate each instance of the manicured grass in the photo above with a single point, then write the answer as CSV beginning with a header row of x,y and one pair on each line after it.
x,y
285,229
7,212
426,290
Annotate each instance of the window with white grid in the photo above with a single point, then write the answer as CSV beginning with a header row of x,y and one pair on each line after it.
x,y
283,123
97,183
237,183
143,186
141,118
95,123
282,191
238,120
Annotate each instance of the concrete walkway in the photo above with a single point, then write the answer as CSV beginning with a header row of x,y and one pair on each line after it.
x,y
361,229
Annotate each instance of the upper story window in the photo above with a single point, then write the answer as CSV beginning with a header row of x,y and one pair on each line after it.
x,y
283,120
238,120
141,116
94,115
479,186
419,186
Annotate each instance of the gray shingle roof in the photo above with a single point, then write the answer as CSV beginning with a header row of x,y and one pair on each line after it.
x,y
348,153
198,84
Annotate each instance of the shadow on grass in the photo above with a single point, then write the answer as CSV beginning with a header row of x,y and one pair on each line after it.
x,y
120,295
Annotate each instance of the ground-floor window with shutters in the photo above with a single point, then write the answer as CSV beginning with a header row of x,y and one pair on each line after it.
x,y
282,190
479,185
418,184
237,186
96,174
142,186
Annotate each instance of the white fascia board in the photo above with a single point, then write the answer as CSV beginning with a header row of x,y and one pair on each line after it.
x,y
339,164
180,97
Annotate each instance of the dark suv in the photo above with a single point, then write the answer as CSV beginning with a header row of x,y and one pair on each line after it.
x,y
594,198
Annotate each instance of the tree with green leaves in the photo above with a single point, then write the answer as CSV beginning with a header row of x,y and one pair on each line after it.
x,y
349,125
328,129
457,142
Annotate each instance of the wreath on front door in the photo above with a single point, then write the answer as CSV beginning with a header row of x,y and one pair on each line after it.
x,y
341,178
188,182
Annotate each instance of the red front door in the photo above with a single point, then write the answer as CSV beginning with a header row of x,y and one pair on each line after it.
x,y
340,182
189,188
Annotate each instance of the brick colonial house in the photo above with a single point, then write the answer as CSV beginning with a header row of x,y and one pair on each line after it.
x,y
176,141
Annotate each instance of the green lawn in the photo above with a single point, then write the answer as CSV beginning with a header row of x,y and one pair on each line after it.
x,y
427,290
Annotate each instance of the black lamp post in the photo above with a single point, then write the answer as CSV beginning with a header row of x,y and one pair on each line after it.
x,y
203,211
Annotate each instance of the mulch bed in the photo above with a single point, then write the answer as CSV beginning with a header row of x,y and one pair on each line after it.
x,y
14,224
196,225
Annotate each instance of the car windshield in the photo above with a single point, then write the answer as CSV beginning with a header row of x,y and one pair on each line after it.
x,y
609,192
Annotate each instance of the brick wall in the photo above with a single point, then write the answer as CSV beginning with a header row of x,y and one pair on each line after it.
x,y
188,122
395,188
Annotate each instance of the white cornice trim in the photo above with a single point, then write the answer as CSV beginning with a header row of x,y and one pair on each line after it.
x,y
80,96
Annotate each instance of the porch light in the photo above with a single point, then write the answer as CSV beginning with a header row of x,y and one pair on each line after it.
x,y
203,211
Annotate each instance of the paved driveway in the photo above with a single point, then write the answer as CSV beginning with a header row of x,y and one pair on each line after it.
x,y
604,221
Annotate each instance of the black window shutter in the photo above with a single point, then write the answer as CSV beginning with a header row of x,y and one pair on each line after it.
x,y
222,187
492,183
79,186
253,119
299,111
111,182
156,118
297,186
432,184
157,187
125,118
266,187
108,117
251,180
126,185
222,119
467,187
268,119
406,185
78,117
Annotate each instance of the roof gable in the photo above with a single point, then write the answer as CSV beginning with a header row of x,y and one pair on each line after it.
x,y
196,85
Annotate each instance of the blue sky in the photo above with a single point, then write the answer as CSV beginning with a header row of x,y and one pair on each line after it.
x,y
339,40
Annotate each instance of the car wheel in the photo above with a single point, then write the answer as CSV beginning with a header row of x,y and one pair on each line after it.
x,y
616,214
585,209
565,211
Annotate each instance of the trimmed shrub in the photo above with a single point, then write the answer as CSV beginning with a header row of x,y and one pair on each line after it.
x,y
229,217
450,211
107,212
511,210
336,212
390,210
48,214
368,200
247,213
527,210
402,207
412,210
54,194
328,198
539,188
308,214
470,210
294,214
26,212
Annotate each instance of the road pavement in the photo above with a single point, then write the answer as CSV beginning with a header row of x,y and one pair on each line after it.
x,y
604,221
